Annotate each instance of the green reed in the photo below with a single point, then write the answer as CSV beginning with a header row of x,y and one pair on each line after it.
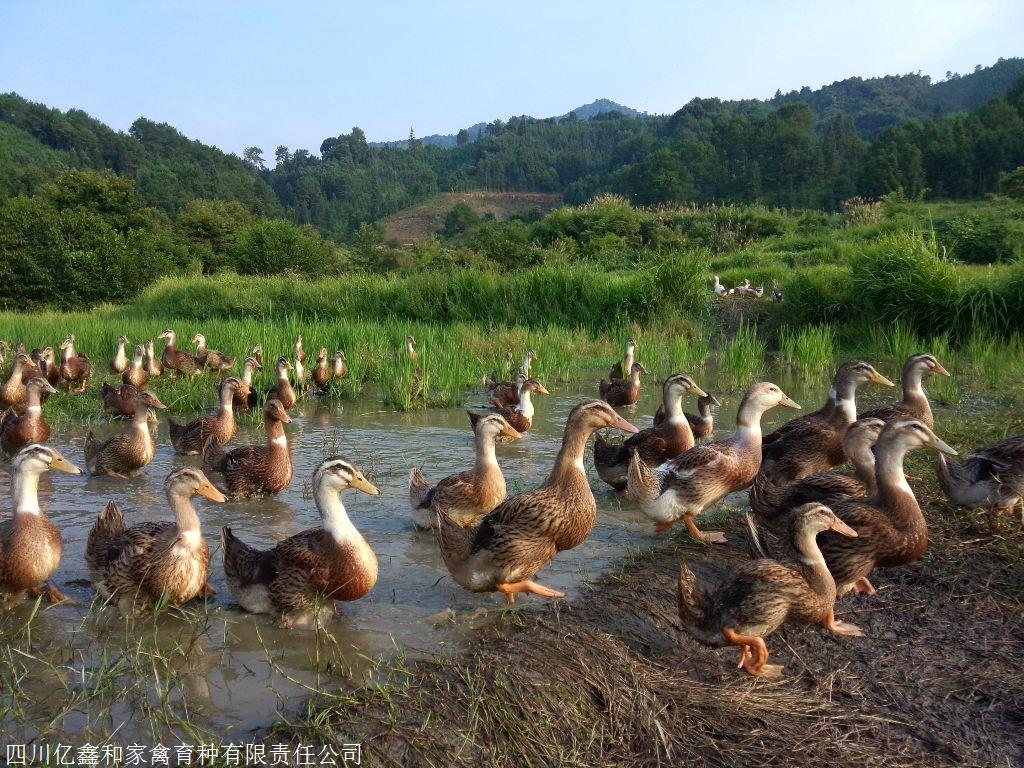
x,y
811,349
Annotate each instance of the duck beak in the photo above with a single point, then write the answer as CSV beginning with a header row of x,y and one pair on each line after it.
x,y
287,419
940,369
156,403
543,390
509,431
63,465
360,483
842,528
715,401
50,389
877,378
625,426
940,445
208,491
788,402
695,390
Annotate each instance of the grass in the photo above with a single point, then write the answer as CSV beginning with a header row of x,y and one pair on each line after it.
x,y
741,357
810,350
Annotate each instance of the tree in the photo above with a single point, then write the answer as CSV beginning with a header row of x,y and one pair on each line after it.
x,y
281,154
414,143
254,157
1011,183
462,138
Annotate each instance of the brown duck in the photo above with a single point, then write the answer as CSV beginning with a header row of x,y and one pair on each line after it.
x,y
505,393
759,596
12,393
126,453
915,403
620,392
75,368
467,495
253,470
190,438
138,566
283,389
244,398
30,545
620,368
302,578
135,373
656,444
18,430
175,360
153,366
992,477
520,416
118,401
321,371
814,443
685,486
211,359
771,503
890,528
339,365
506,549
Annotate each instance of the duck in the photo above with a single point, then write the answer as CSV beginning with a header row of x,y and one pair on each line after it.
x,y
49,367
176,360
718,288
302,578
253,470
19,430
504,397
891,530
991,477
30,545
771,503
12,393
153,563
409,352
776,292
211,359
136,374
257,354
300,353
5,348
190,438
153,365
620,392
915,403
687,485
321,372
74,367
503,393
702,423
504,551
621,369
35,366
759,596
339,365
299,368
124,454
118,400
244,397
656,444
119,362
283,389
814,443
520,416
464,496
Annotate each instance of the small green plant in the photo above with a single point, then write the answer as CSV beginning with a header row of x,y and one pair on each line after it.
x,y
742,356
810,349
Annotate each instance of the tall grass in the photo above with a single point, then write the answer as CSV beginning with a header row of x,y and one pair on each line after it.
x,y
742,356
810,350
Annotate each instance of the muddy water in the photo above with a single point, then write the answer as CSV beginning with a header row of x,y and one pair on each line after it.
x,y
242,670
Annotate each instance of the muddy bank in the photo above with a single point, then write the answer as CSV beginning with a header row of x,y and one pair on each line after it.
x,y
610,679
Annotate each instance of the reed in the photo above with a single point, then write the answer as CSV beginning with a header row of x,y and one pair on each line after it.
x,y
742,356
809,350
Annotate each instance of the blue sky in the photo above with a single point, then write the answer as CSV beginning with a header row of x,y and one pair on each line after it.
x,y
236,74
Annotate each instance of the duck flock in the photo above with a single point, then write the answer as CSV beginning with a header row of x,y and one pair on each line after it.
x,y
820,533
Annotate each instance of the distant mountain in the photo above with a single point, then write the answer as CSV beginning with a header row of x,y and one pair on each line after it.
x,y
585,112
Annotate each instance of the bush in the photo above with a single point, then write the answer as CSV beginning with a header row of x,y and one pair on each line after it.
x,y
982,239
278,247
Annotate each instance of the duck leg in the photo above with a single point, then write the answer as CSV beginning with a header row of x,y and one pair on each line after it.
x,y
863,587
712,537
51,593
842,627
753,654
510,590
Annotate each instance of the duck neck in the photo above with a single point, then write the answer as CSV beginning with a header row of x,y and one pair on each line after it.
x,y
227,402
634,378
282,375
33,402
25,493
893,492
569,462
170,340
863,460
627,361
185,516
140,419
137,363
336,521
68,352
485,458
276,439
247,373
525,367
911,379
16,370
410,350
120,355
812,562
525,405
748,421
201,345
673,402
843,396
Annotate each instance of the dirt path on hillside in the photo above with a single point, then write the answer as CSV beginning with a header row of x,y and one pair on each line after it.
x,y
611,680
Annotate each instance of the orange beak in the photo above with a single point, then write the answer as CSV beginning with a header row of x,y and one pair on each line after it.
x,y
542,389
211,493
625,426
509,431
940,369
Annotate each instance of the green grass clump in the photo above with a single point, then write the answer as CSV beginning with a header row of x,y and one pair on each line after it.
x,y
742,356
811,349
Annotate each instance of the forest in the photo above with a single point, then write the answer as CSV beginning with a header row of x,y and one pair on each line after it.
x,y
91,215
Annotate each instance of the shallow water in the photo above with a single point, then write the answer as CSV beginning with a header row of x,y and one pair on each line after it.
x,y
239,670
